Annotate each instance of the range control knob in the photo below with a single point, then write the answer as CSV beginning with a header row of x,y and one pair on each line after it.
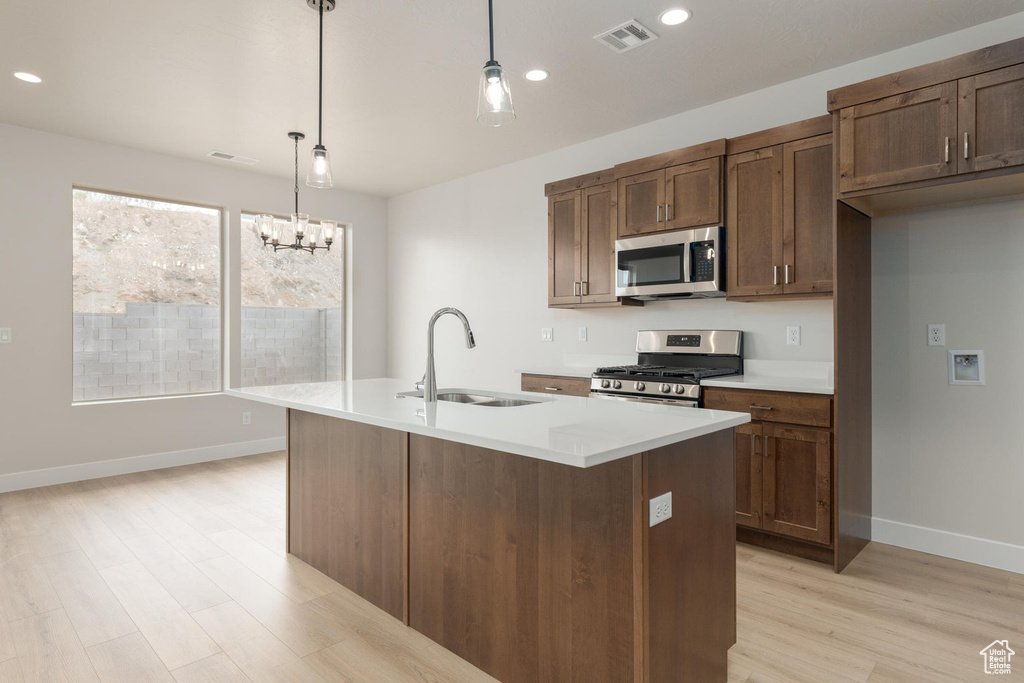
x,y
679,388
616,384
605,384
639,386
665,388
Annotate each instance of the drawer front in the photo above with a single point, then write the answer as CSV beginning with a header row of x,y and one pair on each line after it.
x,y
550,384
813,410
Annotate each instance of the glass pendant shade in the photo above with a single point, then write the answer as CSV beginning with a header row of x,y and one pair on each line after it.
x,y
327,230
320,169
300,224
494,106
265,224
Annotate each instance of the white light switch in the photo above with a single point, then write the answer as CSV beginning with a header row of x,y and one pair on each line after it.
x,y
5,335
583,334
661,508
547,334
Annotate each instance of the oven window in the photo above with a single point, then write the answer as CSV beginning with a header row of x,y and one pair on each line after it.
x,y
653,266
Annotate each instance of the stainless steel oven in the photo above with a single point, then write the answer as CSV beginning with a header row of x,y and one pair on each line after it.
x,y
680,264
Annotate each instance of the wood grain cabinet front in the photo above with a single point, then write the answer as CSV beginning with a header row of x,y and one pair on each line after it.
x,y
779,217
991,120
554,384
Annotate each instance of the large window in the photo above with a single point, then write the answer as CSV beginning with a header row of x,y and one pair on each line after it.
x,y
147,292
293,312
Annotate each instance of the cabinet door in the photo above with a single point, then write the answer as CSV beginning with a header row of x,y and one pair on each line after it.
x,y
564,248
641,203
807,215
898,139
749,468
753,234
693,195
991,120
798,482
599,221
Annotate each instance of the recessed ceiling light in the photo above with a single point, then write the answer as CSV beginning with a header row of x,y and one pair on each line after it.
x,y
536,75
674,17
27,77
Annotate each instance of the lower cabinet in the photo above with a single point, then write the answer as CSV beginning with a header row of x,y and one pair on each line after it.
x,y
556,384
783,471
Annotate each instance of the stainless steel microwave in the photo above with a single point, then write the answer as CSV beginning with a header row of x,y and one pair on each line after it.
x,y
671,265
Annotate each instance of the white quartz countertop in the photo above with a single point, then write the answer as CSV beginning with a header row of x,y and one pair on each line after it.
x,y
581,432
803,377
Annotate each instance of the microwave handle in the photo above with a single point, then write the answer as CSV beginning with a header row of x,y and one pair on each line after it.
x,y
688,263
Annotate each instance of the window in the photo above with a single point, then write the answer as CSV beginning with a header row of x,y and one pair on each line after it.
x,y
146,277
293,311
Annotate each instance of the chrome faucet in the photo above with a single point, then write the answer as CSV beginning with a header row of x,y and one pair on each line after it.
x,y
430,377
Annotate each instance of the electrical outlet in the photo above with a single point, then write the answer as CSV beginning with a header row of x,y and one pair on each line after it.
x,y
246,418
547,334
583,334
5,335
936,334
661,508
793,335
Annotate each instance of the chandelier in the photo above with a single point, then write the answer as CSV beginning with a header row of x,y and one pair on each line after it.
x,y
315,237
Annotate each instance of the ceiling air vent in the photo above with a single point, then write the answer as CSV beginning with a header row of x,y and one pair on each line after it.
x,y
248,161
627,36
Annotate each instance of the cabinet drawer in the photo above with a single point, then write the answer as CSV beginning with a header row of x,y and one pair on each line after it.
x,y
550,384
813,410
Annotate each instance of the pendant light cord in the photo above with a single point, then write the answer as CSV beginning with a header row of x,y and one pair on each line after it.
x,y
490,23
320,123
296,174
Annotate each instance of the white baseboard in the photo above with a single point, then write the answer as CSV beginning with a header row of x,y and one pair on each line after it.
x,y
141,463
949,544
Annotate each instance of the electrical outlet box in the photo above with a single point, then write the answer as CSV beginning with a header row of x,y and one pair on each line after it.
x,y
793,335
936,334
583,334
661,508
246,418
547,334
5,335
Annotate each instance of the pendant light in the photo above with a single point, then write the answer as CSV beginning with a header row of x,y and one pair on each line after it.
x,y
494,103
320,162
301,229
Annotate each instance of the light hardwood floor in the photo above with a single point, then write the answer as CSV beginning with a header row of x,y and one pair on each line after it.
x,y
180,575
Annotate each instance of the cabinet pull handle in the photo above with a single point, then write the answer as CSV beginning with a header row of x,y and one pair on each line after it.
x,y
775,275
965,145
947,149
576,288
787,273
551,389
585,288
659,213
668,212
754,406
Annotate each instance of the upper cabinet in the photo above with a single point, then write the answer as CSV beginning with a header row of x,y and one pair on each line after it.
x,y
779,212
582,228
941,134
672,191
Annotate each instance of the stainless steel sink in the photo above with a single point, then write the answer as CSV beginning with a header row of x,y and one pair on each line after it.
x,y
464,398
506,403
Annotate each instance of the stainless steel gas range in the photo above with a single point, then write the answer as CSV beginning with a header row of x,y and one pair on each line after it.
x,y
670,366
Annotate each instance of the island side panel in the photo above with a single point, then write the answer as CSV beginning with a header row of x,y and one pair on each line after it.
x,y
523,567
691,561
348,493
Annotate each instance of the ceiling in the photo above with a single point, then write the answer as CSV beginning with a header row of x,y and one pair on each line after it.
x,y
185,77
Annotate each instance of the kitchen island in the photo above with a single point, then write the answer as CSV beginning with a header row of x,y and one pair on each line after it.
x,y
519,537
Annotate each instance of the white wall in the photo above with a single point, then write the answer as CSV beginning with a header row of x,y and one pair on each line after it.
x,y
479,243
949,458
39,428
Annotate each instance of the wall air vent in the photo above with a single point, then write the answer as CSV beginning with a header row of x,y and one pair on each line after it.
x,y
626,37
248,161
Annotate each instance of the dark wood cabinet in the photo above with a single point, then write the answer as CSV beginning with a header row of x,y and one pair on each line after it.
x,y
779,217
556,384
899,139
582,228
991,120
672,191
783,462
